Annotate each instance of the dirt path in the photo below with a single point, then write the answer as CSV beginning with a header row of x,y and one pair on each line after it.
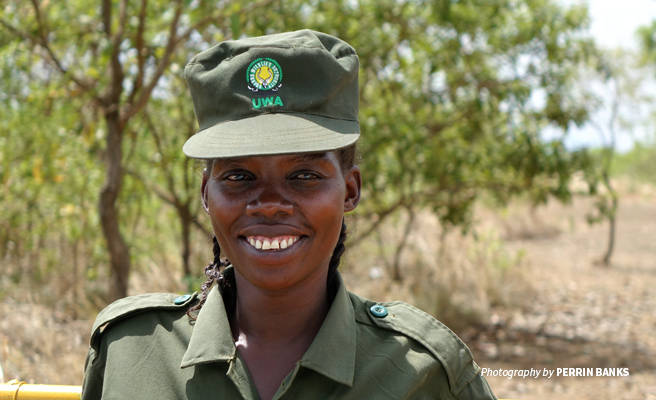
x,y
583,315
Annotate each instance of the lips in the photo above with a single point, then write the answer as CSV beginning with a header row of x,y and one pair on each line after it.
x,y
265,243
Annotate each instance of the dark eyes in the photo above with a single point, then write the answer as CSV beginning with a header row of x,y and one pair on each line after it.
x,y
306,176
237,177
243,176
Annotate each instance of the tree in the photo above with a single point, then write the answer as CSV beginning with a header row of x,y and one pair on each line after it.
x,y
114,54
45,199
619,83
173,180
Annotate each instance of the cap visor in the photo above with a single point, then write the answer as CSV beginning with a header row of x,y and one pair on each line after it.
x,y
271,134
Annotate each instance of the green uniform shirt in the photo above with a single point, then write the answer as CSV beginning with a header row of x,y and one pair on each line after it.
x,y
145,347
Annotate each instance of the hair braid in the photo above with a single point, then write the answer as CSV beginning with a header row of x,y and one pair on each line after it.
x,y
335,260
215,275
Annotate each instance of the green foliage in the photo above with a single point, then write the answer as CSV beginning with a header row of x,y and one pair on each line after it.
x,y
47,173
454,95
638,165
647,38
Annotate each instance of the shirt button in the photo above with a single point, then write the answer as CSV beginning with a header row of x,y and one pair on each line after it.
x,y
181,299
378,311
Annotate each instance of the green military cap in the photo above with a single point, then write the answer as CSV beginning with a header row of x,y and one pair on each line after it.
x,y
294,92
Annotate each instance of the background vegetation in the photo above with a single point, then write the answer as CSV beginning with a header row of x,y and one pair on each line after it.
x,y
98,201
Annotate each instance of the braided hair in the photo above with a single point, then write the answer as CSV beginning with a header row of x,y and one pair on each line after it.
x,y
226,278
214,275
334,262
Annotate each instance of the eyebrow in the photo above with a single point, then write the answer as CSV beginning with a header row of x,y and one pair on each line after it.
x,y
309,157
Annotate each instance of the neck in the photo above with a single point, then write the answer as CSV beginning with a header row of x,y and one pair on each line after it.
x,y
292,315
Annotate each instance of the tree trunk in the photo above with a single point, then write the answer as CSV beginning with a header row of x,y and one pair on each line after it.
x,y
119,253
611,237
186,220
396,275
611,219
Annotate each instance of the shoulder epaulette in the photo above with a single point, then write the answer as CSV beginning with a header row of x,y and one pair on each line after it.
x,y
128,306
410,321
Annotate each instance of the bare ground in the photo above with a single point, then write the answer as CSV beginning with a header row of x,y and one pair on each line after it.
x,y
583,314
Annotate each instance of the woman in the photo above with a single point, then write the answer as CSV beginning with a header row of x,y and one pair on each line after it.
x,y
278,126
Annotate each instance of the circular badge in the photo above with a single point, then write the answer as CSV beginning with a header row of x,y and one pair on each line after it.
x,y
264,74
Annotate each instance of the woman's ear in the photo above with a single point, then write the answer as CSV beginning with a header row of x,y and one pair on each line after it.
x,y
203,190
353,181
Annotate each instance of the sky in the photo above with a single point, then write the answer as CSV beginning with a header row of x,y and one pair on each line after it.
x,y
614,24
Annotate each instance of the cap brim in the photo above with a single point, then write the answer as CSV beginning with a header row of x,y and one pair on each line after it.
x,y
272,134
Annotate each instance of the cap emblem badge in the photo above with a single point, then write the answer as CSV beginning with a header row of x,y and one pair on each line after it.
x,y
264,74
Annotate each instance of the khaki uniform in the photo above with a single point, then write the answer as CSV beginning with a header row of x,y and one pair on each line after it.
x,y
145,347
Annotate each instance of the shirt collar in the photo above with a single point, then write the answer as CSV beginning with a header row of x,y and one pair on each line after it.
x,y
332,353
211,339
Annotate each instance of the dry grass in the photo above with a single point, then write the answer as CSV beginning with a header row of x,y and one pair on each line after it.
x,y
41,345
457,278
45,338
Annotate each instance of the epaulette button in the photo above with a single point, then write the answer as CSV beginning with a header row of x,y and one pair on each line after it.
x,y
378,311
181,299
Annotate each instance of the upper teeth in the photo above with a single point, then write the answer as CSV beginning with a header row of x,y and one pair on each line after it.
x,y
262,243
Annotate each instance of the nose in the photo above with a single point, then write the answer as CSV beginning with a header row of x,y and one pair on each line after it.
x,y
270,202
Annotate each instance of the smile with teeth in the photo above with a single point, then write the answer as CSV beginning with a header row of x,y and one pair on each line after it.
x,y
265,243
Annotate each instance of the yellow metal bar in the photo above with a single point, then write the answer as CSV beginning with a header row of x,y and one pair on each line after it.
x,y
14,390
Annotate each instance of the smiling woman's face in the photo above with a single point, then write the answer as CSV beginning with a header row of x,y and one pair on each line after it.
x,y
278,218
